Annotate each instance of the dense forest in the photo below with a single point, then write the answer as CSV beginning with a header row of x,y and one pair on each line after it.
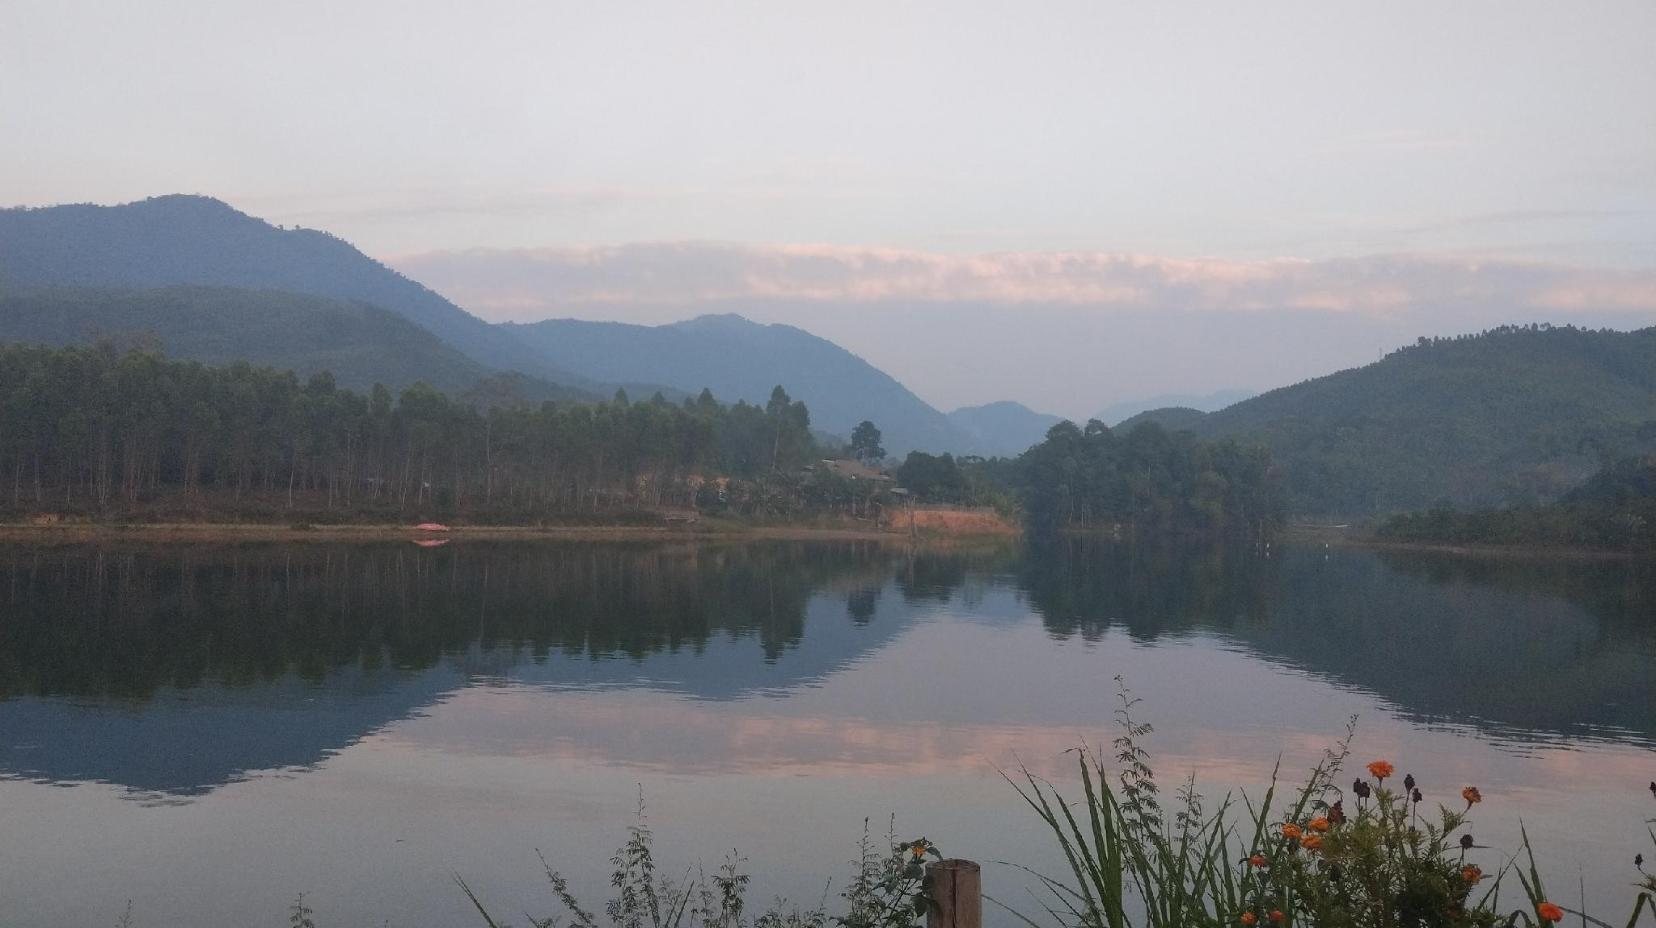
x,y
1615,509
1147,479
1144,479
98,430
1514,416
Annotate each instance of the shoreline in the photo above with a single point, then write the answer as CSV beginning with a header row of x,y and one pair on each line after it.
x,y
231,532
254,531
1360,539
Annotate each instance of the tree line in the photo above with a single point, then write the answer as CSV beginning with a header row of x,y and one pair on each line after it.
x,y
1142,479
93,428
1145,479
1615,509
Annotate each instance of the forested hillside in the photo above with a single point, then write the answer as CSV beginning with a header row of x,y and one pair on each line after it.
x,y
96,431
173,240
1173,418
740,359
360,344
1512,416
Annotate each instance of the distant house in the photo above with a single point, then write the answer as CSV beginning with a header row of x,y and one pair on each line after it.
x,y
855,470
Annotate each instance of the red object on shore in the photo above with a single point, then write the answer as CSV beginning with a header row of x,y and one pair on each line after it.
x,y
431,527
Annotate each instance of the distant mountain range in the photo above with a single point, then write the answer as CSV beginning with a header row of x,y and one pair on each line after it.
x,y
742,360
1520,415
190,240
215,284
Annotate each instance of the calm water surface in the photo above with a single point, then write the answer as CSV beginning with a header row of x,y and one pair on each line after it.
x,y
209,731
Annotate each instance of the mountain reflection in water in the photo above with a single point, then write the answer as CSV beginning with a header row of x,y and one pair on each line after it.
x,y
177,670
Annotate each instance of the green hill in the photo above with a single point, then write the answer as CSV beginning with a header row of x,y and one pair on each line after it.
x,y
1508,417
360,344
1173,418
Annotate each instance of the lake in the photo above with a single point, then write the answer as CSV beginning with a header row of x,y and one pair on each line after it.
x,y
209,731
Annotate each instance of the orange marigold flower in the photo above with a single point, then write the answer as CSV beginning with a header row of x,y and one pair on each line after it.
x,y
1472,796
1311,842
1248,918
1277,916
1318,824
1257,860
1381,769
1471,873
1549,912
919,850
1291,831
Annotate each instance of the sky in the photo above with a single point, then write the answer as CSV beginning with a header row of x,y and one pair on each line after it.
x,y
1061,203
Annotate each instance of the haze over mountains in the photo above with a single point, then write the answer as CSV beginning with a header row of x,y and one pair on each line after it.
x,y
739,359
1005,428
198,242
173,240
1517,416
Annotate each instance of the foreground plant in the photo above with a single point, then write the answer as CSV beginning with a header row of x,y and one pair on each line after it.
x,y
1371,857
887,891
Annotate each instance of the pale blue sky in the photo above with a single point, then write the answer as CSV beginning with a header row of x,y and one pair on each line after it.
x,y
1245,132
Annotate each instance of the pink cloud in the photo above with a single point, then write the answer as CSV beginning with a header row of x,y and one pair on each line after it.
x,y
533,283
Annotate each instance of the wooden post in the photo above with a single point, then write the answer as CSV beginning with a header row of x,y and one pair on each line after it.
x,y
956,893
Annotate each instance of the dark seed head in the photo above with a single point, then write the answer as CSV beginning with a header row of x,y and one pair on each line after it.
x,y
1409,782
1416,795
1466,842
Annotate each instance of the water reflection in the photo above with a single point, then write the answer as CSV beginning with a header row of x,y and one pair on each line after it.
x,y
178,670
360,721
1520,647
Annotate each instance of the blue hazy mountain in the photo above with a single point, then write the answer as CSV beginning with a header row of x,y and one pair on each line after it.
x,y
1005,428
743,360
179,240
215,284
